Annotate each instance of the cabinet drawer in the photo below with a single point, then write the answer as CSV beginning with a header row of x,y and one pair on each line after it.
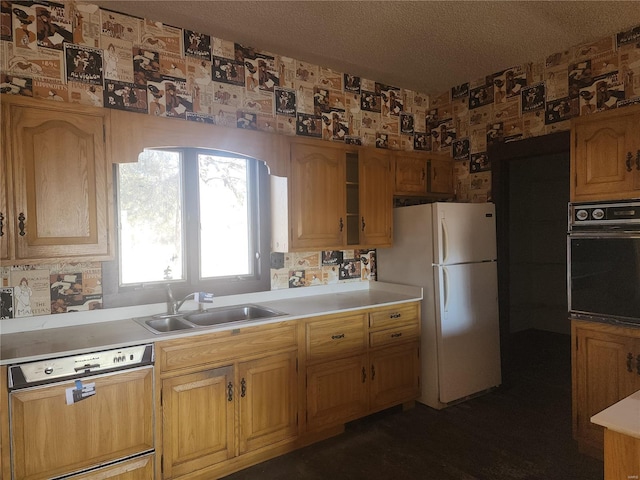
x,y
394,316
220,346
336,336
391,336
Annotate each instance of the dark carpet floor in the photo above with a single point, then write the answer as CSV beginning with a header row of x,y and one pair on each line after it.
x,y
520,431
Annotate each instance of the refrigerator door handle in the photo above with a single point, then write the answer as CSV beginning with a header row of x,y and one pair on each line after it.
x,y
445,240
445,290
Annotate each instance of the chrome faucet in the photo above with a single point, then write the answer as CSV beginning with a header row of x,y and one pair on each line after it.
x,y
173,305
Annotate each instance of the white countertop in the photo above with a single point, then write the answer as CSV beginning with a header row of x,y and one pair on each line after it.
x,y
622,417
82,332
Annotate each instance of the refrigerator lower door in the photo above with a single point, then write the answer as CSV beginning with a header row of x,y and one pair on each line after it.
x,y
467,328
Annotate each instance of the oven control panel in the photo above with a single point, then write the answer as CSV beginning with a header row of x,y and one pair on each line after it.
x,y
43,371
604,214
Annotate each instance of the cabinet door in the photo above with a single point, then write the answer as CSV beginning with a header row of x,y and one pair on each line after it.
x,y
337,392
198,420
376,198
395,375
602,378
441,175
5,237
599,158
61,183
317,197
410,174
267,392
50,438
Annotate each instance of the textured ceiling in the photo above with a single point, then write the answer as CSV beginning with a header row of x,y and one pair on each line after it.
x,y
427,46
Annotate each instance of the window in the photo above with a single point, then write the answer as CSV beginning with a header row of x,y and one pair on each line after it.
x,y
193,218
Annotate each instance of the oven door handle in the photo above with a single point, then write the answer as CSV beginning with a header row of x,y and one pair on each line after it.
x,y
84,368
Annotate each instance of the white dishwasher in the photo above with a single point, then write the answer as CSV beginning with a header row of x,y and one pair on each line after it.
x,y
92,412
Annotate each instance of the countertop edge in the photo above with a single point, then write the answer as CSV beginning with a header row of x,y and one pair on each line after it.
x,y
33,345
621,417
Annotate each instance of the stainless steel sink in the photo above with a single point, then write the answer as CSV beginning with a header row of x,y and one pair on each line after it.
x,y
239,313
164,323
167,324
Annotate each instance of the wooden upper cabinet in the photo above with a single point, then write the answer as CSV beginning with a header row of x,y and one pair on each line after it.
x,y
376,198
410,173
605,156
420,174
338,197
441,175
61,181
317,196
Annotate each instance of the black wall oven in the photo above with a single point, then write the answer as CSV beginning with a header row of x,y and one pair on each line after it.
x,y
603,264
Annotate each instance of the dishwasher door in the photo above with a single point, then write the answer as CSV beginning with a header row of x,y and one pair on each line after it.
x,y
52,436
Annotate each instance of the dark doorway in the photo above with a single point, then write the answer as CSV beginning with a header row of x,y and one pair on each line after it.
x,y
530,185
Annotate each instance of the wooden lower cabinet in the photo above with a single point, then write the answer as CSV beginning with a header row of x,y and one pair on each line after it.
x,y
198,420
357,377
395,375
228,400
268,400
337,391
604,371
621,456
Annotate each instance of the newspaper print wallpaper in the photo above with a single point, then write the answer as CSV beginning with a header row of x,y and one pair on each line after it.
x,y
81,53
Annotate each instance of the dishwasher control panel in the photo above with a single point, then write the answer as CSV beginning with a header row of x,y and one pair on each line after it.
x,y
74,366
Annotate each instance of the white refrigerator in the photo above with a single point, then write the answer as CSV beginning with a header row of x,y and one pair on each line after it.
x,y
449,249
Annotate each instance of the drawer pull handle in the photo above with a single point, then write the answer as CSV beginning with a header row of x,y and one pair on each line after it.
x,y
396,335
1,224
363,224
230,392
395,315
629,362
337,337
638,160
243,388
341,224
628,162
21,219
364,374
638,364
373,372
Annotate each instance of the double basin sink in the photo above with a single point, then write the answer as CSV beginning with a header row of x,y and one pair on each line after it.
x,y
166,323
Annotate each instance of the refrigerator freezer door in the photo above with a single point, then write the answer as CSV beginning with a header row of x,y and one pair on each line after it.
x,y
464,232
467,328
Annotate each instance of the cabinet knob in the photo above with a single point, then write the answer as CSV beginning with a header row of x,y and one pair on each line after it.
x,y
628,162
1,225
629,362
21,219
